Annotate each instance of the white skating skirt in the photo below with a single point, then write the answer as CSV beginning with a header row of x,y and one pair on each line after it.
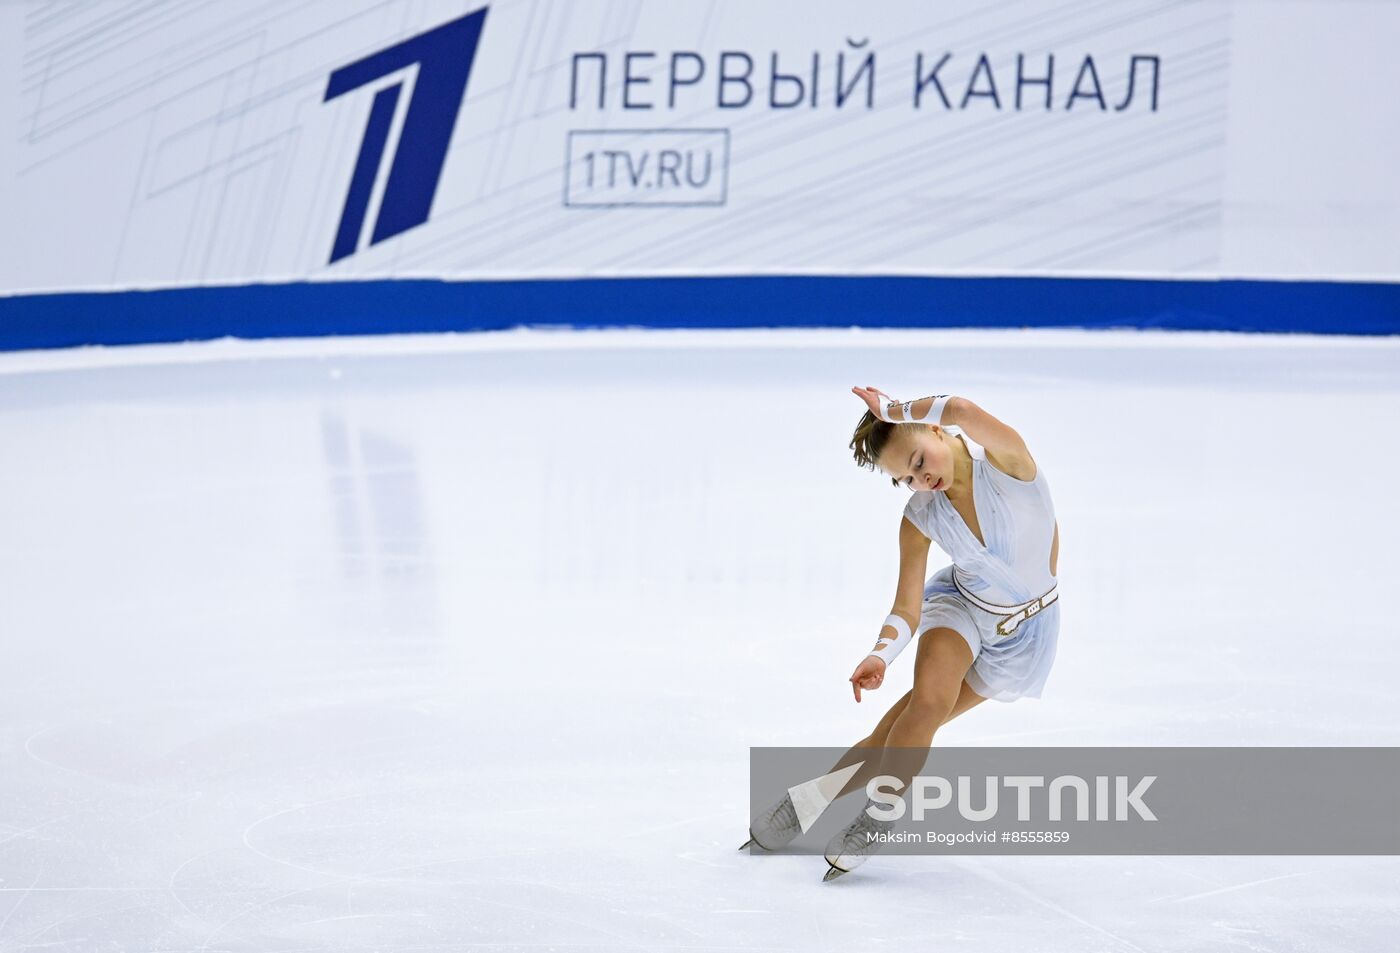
x,y
1004,668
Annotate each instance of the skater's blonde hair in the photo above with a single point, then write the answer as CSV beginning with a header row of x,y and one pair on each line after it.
x,y
871,438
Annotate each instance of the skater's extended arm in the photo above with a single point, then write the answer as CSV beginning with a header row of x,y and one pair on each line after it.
x,y
913,565
908,600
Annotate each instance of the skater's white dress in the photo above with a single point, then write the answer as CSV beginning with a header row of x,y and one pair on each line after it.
x,y
1017,520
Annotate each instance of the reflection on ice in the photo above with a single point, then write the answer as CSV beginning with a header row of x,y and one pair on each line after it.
x,y
441,642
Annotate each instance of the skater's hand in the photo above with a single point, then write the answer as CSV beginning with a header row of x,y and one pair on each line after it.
x,y
869,675
873,399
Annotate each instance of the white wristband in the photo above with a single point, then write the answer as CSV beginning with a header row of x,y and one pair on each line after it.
x,y
885,412
934,415
888,649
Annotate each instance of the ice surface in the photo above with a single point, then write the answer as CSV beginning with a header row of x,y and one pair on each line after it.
x,y
445,643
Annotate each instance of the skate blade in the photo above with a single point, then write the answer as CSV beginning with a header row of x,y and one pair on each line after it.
x,y
746,844
833,873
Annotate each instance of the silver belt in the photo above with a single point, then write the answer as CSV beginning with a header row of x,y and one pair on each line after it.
x,y
1013,615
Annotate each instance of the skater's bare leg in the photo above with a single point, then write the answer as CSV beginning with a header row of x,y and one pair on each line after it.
x,y
939,693
939,677
860,751
939,672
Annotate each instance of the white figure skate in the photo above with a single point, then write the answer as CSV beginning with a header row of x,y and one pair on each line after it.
x,y
854,845
776,827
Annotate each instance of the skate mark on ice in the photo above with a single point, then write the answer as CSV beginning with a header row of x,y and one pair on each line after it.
x,y
674,824
24,895
1233,887
988,875
691,857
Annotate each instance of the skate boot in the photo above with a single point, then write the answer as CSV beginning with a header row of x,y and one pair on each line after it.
x,y
854,845
776,827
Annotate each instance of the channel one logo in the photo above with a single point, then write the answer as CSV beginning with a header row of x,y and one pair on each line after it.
x,y
444,57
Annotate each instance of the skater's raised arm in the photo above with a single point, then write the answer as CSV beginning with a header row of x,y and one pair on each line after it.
x,y
1004,445
897,633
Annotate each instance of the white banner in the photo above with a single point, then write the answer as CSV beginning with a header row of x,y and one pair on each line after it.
x,y
153,145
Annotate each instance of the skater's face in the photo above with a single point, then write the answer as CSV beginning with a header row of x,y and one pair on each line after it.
x,y
920,458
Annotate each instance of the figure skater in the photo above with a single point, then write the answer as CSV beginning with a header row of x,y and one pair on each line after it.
x,y
986,625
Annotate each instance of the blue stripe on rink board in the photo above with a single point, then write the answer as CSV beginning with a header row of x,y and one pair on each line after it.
x,y
399,306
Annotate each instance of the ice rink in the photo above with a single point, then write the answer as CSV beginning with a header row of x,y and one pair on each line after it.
x,y
460,642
